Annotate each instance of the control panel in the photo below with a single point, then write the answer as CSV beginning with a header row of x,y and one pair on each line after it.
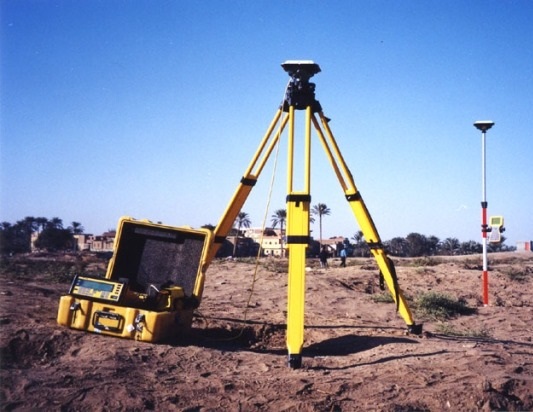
x,y
496,229
97,288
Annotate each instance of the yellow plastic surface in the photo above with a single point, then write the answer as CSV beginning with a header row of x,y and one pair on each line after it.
x,y
298,225
154,327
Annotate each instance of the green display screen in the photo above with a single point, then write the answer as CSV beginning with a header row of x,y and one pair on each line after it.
x,y
91,284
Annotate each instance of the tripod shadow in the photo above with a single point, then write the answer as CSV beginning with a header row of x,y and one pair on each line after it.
x,y
350,344
377,361
270,338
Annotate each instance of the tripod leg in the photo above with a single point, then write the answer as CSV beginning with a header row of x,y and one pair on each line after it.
x,y
364,220
246,184
297,241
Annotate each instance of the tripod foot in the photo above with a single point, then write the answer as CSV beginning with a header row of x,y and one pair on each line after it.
x,y
414,329
295,361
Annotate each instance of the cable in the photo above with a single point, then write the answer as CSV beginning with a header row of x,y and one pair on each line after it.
x,y
269,198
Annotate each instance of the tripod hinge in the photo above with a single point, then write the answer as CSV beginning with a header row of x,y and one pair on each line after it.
x,y
375,245
246,181
354,197
298,240
297,198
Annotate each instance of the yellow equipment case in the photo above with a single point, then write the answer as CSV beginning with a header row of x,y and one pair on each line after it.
x,y
153,284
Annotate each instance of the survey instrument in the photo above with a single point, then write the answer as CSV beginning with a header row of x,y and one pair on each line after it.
x,y
156,275
153,284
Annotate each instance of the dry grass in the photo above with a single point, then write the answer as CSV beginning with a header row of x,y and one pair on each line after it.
x,y
440,306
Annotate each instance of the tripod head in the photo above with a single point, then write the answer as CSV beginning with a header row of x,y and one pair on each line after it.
x,y
301,69
300,92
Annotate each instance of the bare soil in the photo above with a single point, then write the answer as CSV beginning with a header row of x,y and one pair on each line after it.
x,y
357,355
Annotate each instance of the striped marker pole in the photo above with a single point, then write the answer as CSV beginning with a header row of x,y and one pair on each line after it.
x,y
484,125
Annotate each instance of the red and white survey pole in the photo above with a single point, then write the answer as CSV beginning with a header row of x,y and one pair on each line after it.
x,y
484,125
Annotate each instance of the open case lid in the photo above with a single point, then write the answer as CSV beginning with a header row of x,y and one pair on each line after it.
x,y
146,254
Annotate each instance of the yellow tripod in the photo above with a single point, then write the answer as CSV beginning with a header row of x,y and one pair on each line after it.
x,y
300,95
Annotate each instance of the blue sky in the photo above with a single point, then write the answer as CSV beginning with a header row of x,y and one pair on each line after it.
x,y
154,109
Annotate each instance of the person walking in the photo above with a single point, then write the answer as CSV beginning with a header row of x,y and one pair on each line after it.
x,y
343,257
323,256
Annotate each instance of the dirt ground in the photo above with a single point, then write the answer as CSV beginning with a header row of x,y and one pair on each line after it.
x,y
357,356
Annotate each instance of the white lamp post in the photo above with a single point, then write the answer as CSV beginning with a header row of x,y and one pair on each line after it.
x,y
484,125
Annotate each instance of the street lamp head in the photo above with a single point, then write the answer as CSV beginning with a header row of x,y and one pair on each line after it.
x,y
484,125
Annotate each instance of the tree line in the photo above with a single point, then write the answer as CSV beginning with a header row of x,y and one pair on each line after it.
x,y
413,245
51,235
416,244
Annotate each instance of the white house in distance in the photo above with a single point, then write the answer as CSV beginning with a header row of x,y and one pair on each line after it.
x,y
270,240
92,243
526,246
86,242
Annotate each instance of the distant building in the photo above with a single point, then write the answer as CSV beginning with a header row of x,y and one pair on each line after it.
x,y
332,244
102,243
271,241
83,242
245,247
86,242
526,246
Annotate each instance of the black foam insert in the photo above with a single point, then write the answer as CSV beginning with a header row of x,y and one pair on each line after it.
x,y
159,256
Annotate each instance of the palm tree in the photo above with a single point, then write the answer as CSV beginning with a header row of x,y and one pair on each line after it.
x,y
320,209
30,224
397,246
280,217
77,228
5,226
243,220
55,223
359,239
451,245
41,223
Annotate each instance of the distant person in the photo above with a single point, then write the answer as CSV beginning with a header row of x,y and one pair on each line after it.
x,y
323,256
343,257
